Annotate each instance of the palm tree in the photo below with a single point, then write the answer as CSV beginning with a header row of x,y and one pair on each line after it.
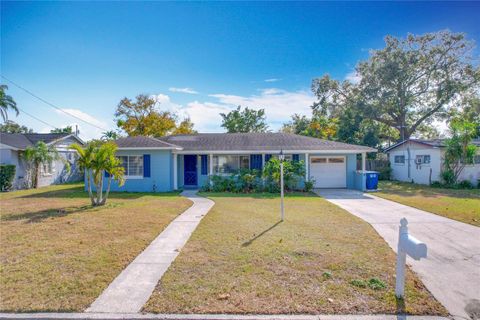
x,y
96,159
39,155
6,102
110,135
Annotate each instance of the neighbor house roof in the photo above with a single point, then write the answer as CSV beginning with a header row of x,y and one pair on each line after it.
x,y
433,143
258,141
21,141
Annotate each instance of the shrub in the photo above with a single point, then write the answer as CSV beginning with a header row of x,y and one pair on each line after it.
x,y
465,184
385,173
308,185
293,171
7,174
448,177
436,184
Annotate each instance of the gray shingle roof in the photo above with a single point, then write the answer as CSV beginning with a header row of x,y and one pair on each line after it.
x,y
143,142
257,141
434,143
24,140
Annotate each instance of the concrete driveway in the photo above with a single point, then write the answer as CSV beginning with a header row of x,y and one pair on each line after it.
x,y
452,269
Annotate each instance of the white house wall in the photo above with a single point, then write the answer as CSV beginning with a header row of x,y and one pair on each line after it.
x,y
422,174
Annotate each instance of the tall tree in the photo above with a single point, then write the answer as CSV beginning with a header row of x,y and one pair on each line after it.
x,y
409,83
246,120
185,127
67,129
110,135
12,127
319,126
6,102
142,117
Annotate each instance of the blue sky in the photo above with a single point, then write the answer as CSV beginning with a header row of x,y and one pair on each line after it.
x,y
199,59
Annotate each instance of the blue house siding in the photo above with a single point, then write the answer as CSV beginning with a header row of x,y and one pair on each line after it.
x,y
160,179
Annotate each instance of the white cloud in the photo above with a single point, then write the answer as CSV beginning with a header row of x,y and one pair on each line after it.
x,y
183,90
272,80
206,115
279,105
353,77
87,132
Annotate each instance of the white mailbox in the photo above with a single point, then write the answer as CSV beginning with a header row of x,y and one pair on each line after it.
x,y
407,244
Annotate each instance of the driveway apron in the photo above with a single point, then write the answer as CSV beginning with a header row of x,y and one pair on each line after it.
x,y
131,289
452,269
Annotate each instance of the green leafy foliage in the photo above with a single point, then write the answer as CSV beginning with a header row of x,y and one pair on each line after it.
x,y
39,155
376,284
459,150
246,120
10,126
143,117
358,283
7,174
67,129
267,180
6,103
96,158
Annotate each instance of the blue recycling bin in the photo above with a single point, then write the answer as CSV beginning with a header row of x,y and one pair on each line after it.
x,y
372,180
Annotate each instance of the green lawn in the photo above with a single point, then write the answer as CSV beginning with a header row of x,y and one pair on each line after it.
x,y
57,253
321,259
462,205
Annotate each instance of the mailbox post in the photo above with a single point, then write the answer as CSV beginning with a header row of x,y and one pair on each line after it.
x,y
406,245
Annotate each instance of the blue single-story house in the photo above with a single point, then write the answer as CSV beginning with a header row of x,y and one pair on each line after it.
x,y
185,161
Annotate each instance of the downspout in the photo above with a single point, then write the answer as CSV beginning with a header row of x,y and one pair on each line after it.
x,y
408,153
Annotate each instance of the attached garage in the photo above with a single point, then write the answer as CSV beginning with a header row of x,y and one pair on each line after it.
x,y
329,171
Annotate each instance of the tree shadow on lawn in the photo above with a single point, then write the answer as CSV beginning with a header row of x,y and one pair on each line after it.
x,y
80,193
39,216
249,242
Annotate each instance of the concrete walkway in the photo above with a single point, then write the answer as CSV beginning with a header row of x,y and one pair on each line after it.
x,y
452,269
131,289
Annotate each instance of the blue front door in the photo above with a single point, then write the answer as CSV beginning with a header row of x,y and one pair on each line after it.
x,y
190,170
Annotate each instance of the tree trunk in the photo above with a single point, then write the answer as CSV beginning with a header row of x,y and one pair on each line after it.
x,y
108,190
100,190
89,187
36,172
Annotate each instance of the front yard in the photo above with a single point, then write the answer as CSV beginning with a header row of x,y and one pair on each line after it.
x,y
321,259
57,253
462,205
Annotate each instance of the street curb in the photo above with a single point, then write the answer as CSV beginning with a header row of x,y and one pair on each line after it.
x,y
147,316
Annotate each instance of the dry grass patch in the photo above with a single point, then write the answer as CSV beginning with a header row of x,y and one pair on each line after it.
x,y
461,205
58,253
241,259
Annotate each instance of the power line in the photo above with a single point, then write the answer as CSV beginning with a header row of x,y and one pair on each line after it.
x,y
51,104
28,114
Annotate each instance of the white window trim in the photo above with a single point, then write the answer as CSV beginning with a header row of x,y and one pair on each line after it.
x,y
131,177
226,155
422,156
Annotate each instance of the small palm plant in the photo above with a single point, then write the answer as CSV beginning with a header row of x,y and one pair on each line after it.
x,y
40,155
96,159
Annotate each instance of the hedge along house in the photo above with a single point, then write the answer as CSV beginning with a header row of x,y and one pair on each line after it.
x,y
186,161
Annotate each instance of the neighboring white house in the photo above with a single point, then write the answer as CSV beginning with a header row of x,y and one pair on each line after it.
x,y
421,161
13,144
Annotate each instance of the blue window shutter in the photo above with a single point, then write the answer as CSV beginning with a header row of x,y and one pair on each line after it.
x,y
267,157
146,165
256,161
107,174
295,157
204,164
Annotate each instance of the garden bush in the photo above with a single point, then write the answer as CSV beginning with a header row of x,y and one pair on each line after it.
x,y
7,174
267,180
385,173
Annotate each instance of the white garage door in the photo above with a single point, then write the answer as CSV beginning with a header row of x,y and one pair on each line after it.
x,y
329,172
